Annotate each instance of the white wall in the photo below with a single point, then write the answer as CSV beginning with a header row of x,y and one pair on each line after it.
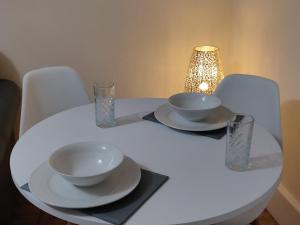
x,y
145,45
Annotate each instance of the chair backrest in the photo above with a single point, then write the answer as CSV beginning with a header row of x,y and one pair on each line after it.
x,y
47,91
253,95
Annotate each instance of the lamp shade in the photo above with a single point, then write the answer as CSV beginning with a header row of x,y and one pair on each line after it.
x,y
205,71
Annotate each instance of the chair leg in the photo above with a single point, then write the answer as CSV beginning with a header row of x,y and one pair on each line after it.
x,y
255,222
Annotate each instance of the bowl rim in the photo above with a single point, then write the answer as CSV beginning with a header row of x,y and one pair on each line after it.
x,y
218,101
51,158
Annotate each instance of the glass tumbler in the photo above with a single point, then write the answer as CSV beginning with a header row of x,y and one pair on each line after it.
x,y
238,142
105,104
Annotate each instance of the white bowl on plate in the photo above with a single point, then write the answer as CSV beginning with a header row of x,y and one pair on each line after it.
x,y
194,106
85,163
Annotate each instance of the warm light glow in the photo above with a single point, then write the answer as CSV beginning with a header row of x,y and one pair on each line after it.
x,y
206,48
205,71
203,86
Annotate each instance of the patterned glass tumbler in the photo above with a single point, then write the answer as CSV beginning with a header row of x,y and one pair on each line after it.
x,y
238,142
104,104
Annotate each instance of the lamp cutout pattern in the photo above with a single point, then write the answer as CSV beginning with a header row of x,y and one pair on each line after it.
x,y
205,70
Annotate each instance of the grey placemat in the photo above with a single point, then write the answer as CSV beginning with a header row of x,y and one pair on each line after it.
x,y
216,134
120,211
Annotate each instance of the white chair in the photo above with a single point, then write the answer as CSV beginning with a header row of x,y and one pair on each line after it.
x,y
48,91
259,97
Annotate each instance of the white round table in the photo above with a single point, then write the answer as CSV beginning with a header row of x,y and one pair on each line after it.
x,y
201,190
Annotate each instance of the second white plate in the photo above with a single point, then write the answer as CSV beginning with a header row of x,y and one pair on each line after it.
x,y
54,190
169,117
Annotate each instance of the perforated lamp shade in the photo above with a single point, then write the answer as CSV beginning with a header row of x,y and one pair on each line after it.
x,y
205,70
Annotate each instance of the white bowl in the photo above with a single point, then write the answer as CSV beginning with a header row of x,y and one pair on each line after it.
x,y
85,163
194,106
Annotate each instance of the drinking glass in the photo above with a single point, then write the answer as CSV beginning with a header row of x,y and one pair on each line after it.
x,y
238,142
104,104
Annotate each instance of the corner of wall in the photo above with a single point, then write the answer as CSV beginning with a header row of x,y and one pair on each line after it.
x,y
284,207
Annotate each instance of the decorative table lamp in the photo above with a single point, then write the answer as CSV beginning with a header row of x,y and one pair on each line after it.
x,y
205,71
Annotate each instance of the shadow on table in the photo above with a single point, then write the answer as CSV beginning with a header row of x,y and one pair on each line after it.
x,y
265,161
129,119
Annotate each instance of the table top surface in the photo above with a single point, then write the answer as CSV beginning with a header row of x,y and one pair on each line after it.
x,y
201,189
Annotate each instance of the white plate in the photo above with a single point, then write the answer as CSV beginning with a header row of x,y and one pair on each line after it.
x,y
52,189
169,117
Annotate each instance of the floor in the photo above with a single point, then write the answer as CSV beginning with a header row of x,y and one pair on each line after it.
x,y
27,214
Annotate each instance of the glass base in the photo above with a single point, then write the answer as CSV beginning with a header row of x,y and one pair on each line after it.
x,y
106,125
239,168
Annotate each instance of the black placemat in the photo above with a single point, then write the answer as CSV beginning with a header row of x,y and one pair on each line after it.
x,y
120,211
216,134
